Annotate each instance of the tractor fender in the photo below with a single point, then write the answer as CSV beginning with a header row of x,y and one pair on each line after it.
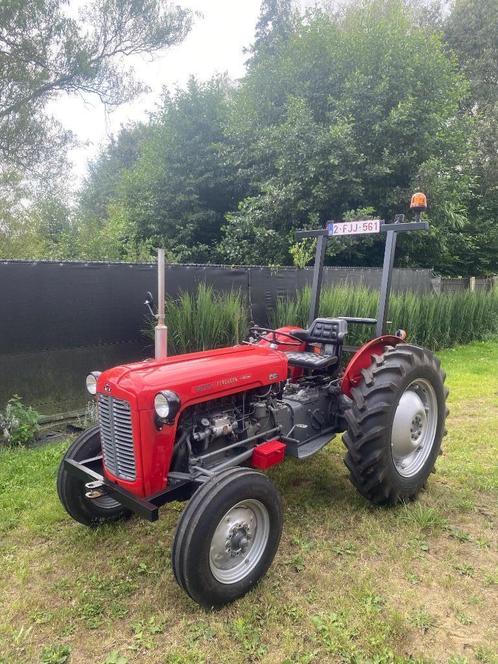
x,y
363,359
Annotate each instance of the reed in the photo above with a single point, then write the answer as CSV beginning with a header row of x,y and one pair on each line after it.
x,y
434,321
209,319
205,319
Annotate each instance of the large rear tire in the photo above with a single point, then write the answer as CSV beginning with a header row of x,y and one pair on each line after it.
x,y
227,536
395,424
89,511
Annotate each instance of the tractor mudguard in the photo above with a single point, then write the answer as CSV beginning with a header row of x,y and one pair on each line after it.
x,y
363,359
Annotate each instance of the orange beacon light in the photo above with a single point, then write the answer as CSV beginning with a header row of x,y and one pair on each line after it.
x,y
418,202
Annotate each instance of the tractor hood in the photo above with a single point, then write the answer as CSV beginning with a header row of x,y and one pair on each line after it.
x,y
195,377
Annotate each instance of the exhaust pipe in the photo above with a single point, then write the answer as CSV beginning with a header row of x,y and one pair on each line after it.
x,y
160,331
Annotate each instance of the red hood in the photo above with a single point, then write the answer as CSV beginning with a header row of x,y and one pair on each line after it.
x,y
195,376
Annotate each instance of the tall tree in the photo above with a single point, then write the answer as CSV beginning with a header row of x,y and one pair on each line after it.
x,y
174,186
44,51
471,30
273,27
354,111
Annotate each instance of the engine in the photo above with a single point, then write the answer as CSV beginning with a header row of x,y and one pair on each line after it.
x,y
301,410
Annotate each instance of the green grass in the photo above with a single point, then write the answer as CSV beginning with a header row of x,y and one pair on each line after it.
x,y
351,583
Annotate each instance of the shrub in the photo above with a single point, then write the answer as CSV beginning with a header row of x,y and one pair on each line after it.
x,y
434,321
18,423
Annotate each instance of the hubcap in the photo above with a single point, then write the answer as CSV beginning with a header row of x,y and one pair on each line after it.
x,y
239,541
414,427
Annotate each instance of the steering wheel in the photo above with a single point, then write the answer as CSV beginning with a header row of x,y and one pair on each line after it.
x,y
260,332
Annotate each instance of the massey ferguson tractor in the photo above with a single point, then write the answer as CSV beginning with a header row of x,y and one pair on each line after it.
x,y
203,426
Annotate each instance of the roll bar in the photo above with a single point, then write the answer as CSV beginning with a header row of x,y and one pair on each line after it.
x,y
391,231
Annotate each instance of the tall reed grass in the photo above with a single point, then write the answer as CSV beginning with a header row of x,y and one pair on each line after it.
x,y
205,319
209,319
434,321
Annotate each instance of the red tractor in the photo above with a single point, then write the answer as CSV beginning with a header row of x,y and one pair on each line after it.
x,y
202,427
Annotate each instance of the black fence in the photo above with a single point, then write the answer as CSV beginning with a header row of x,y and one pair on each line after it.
x,y
58,321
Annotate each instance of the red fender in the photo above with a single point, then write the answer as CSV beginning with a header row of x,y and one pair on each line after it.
x,y
363,359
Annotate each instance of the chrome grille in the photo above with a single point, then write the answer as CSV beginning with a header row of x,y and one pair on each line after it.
x,y
117,437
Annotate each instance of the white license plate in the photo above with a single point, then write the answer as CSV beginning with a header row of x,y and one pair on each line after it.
x,y
354,227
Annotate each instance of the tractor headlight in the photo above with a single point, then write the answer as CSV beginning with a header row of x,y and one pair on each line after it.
x,y
166,405
91,381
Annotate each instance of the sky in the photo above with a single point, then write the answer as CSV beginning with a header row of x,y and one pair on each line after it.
x,y
215,45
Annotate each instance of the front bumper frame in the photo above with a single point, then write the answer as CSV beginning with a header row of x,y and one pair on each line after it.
x,y
91,470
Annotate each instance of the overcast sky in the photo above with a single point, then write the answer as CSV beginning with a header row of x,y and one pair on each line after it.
x,y
215,44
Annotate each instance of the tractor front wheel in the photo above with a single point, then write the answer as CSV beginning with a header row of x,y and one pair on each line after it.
x,y
88,511
395,424
227,536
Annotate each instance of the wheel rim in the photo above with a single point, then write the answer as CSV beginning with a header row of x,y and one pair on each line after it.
x,y
239,541
414,427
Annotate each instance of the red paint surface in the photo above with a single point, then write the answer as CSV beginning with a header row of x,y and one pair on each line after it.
x,y
362,359
196,378
268,454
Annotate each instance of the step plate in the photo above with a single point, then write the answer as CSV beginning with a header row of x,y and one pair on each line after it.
x,y
308,447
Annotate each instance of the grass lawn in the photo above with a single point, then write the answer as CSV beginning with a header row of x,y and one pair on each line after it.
x,y
351,583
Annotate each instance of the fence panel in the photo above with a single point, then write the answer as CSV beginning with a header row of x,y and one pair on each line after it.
x,y
60,320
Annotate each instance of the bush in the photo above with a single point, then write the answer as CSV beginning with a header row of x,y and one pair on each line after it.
x,y
205,320
434,321
18,423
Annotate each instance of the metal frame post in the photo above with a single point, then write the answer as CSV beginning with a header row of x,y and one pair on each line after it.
x,y
385,284
161,331
316,286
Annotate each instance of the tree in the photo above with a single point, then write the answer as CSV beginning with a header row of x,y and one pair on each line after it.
x,y
36,227
44,51
471,30
101,184
354,111
175,185
340,114
274,26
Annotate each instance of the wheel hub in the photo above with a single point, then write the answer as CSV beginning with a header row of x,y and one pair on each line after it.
x,y
409,423
414,427
239,541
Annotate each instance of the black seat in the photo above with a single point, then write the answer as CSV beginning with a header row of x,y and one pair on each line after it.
x,y
329,332
309,360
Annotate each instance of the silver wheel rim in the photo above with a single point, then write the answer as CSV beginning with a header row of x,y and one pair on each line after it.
x,y
414,427
239,541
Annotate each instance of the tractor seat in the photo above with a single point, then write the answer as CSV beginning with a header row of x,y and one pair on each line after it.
x,y
329,333
309,360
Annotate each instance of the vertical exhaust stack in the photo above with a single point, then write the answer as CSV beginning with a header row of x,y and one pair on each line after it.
x,y
161,331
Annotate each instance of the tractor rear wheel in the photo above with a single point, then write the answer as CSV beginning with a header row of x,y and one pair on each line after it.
x,y
88,511
395,424
227,536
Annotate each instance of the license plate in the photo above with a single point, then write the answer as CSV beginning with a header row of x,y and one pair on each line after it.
x,y
354,227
